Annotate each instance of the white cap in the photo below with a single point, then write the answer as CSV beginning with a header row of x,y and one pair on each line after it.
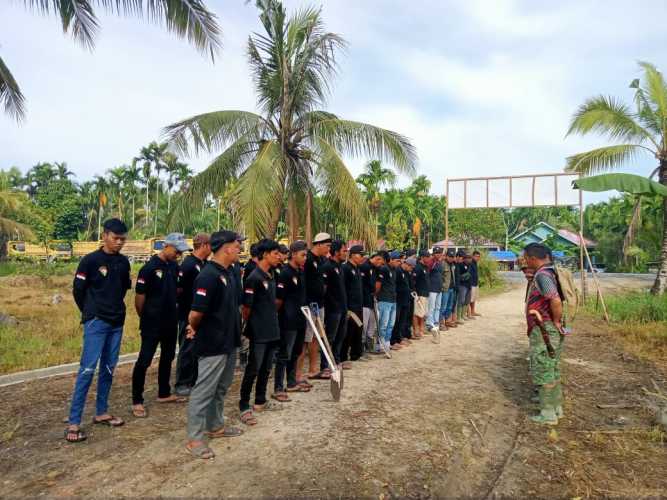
x,y
322,238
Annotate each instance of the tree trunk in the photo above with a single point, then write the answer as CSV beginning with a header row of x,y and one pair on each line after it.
x,y
661,279
133,210
292,219
309,227
157,200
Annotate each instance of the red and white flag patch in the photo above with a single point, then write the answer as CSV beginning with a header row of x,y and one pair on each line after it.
x,y
249,290
201,291
141,281
281,285
81,276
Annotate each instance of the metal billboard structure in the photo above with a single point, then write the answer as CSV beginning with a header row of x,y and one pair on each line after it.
x,y
517,191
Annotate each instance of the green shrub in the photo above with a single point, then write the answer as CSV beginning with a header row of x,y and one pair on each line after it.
x,y
488,273
635,307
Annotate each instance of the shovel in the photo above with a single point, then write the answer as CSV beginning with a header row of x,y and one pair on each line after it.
x,y
336,384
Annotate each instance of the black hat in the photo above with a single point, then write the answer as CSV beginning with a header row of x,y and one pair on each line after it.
x,y
438,250
451,252
424,253
461,253
358,249
220,238
409,252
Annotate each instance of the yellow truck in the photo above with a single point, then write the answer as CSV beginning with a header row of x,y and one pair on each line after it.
x,y
81,248
53,250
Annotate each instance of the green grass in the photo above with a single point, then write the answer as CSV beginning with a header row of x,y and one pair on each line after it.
x,y
634,307
41,269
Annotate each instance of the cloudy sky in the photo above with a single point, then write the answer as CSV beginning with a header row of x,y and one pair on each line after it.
x,y
482,87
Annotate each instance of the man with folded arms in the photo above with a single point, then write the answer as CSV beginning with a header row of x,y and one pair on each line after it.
x,y
215,330
155,302
335,304
315,290
352,347
421,279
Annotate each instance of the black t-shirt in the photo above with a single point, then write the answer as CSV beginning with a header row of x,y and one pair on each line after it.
x,y
249,267
259,294
216,294
463,272
403,297
157,280
421,280
353,287
387,277
291,289
435,278
100,284
190,269
335,297
368,279
315,283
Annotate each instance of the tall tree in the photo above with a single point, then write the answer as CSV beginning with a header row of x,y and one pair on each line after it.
x,y
187,18
639,131
283,156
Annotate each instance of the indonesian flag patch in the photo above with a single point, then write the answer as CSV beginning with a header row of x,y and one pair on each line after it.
x,y
81,276
141,281
201,291
249,290
281,285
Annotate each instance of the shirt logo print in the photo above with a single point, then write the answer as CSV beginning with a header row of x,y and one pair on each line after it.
x,y
103,270
197,267
158,273
224,280
295,280
266,285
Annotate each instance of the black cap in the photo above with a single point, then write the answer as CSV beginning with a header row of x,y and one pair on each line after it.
x,y
220,238
461,253
115,226
451,252
298,246
438,250
424,253
409,252
358,249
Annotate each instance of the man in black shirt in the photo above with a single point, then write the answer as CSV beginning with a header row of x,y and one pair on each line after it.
x,y
422,285
315,288
370,287
463,293
155,302
262,329
101,281
403,299
474,282
386,297
186,363
335,304
215,329
291,297
352,346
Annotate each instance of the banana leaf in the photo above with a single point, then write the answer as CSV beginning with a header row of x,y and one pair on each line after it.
x,y
626,183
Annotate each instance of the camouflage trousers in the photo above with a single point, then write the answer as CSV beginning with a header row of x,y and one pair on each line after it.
x,y
543,368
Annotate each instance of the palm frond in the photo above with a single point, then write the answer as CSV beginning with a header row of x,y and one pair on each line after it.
x,y
10,229
259,192
213,131
75,15
656,89
358,139
607,116
603,159
214,180
646,112
10,94
341,191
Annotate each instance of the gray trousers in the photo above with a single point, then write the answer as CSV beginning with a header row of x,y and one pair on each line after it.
x,y
207,399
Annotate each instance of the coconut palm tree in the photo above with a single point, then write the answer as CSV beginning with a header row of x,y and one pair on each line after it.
x,y
14,205
187,18
374,178
130,180
639,131
289,151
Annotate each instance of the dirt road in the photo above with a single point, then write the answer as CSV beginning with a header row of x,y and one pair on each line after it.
x,y
436,420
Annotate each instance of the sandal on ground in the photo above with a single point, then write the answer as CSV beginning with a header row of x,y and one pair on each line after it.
x,y
347,365
172,399
201,451
225,432
280,396
305,383
111,421
323,375
139,412
268,406
78,435
248,418
298,388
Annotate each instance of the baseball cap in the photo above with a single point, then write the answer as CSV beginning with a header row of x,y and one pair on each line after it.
x,y
395,255
322,238
220,238
358,249
177,240
409,252
424,253
451,253
437,250
200,239
411,261
461,253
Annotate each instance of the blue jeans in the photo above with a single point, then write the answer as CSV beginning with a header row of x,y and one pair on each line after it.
x,y
386,319
447,304
101,342
433,317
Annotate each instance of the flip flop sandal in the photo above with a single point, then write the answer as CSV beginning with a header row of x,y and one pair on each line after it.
x,y
298,388
281,396
347,365
225,432
305,383
80,436
111,422
322,376
139,413
268,406
248,418
201,451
